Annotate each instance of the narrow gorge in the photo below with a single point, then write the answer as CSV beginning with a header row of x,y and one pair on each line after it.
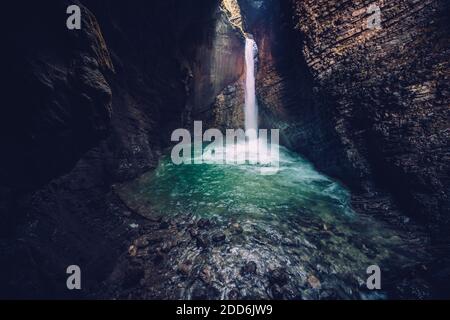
x,y
355,175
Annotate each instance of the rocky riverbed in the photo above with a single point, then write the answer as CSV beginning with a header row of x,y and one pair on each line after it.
x,y
247,237
196,258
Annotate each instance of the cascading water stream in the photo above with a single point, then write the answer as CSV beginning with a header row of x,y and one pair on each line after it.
x,y
251,105
255,147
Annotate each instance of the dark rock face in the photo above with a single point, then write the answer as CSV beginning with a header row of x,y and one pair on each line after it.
x,y
63,88
289,97
131,75
216,69
391,91
369,107
58,102
58,105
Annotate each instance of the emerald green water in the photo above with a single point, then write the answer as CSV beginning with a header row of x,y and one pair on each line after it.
x,y
244,191
296,219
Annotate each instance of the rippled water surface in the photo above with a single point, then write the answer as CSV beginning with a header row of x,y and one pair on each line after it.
x,y
290,234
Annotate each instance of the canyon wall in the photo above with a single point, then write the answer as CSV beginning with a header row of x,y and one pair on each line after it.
x,y
57,105
392,94
88,109
367,106
57,99
289,98
216,92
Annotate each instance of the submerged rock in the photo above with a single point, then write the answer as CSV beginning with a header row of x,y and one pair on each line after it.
x,y
133,277
279,276
233,294
185,267
202,241
202,291
314,282
164,225
276,291
203,223
218,237
141,243
236,228
249,268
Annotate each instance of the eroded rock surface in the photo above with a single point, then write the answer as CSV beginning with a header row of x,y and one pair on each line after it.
x,y
368,106
391,91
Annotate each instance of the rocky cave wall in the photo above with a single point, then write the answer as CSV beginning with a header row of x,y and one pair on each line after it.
x,y
216,93
97,108
369,107
57,101
58,105
391,89
289,98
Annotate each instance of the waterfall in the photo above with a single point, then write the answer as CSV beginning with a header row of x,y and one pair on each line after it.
x,y
251,106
